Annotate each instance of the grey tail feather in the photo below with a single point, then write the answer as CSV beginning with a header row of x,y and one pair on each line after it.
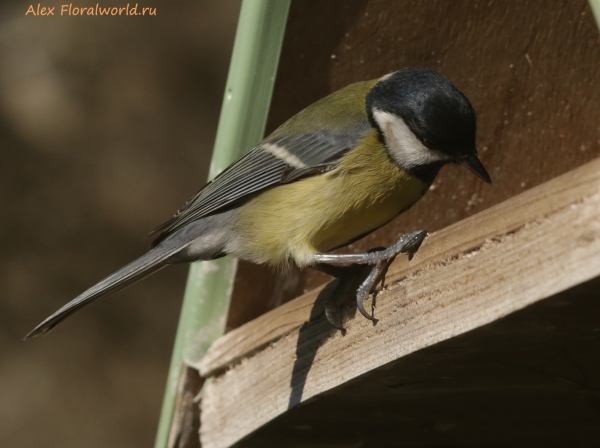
x,y
147,264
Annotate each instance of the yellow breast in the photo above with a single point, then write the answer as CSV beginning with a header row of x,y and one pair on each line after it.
x,y
322,212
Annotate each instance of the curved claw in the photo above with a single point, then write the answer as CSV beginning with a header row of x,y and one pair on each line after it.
x,y
333,309
334,317
361,295
367,285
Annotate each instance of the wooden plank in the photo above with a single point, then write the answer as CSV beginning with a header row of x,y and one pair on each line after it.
x,y
469,274
186,415
531,379
463,236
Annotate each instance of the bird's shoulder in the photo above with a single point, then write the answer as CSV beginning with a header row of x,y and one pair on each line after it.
x,y
339,111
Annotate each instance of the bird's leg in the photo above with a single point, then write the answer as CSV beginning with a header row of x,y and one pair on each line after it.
x,y
344,267
407,244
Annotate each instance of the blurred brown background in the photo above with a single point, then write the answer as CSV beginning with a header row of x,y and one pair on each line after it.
x,y
106,128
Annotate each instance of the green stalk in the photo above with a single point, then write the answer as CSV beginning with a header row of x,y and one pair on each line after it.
x,y
595,5
248,92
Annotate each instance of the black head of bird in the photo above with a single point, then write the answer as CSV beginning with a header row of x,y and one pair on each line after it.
x,y
425,121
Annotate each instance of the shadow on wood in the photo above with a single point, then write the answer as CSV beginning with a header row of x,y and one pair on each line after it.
x,y
310,336
530,379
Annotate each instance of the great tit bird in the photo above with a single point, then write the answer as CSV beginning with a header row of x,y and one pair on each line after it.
x,y
336,171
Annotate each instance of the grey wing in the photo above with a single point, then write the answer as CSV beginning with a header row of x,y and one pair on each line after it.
x,y
274,162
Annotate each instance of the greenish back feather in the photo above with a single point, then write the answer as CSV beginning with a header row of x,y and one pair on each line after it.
x,y
342,110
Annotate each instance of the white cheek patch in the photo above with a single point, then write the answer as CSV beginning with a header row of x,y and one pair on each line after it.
x,y
404,147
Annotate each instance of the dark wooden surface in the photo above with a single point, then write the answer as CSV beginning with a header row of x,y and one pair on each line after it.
x,y
529,68
530,379
186,416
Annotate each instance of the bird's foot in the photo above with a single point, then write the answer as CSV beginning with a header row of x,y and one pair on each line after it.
x,y
349,279
347,268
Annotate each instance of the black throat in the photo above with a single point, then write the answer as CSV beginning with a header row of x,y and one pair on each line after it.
x,y
426,173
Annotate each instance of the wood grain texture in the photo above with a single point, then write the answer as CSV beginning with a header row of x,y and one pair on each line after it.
x,y
534,245
186,416
531,379
529,68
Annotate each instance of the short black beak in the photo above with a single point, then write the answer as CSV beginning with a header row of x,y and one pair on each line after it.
x,y
474,164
